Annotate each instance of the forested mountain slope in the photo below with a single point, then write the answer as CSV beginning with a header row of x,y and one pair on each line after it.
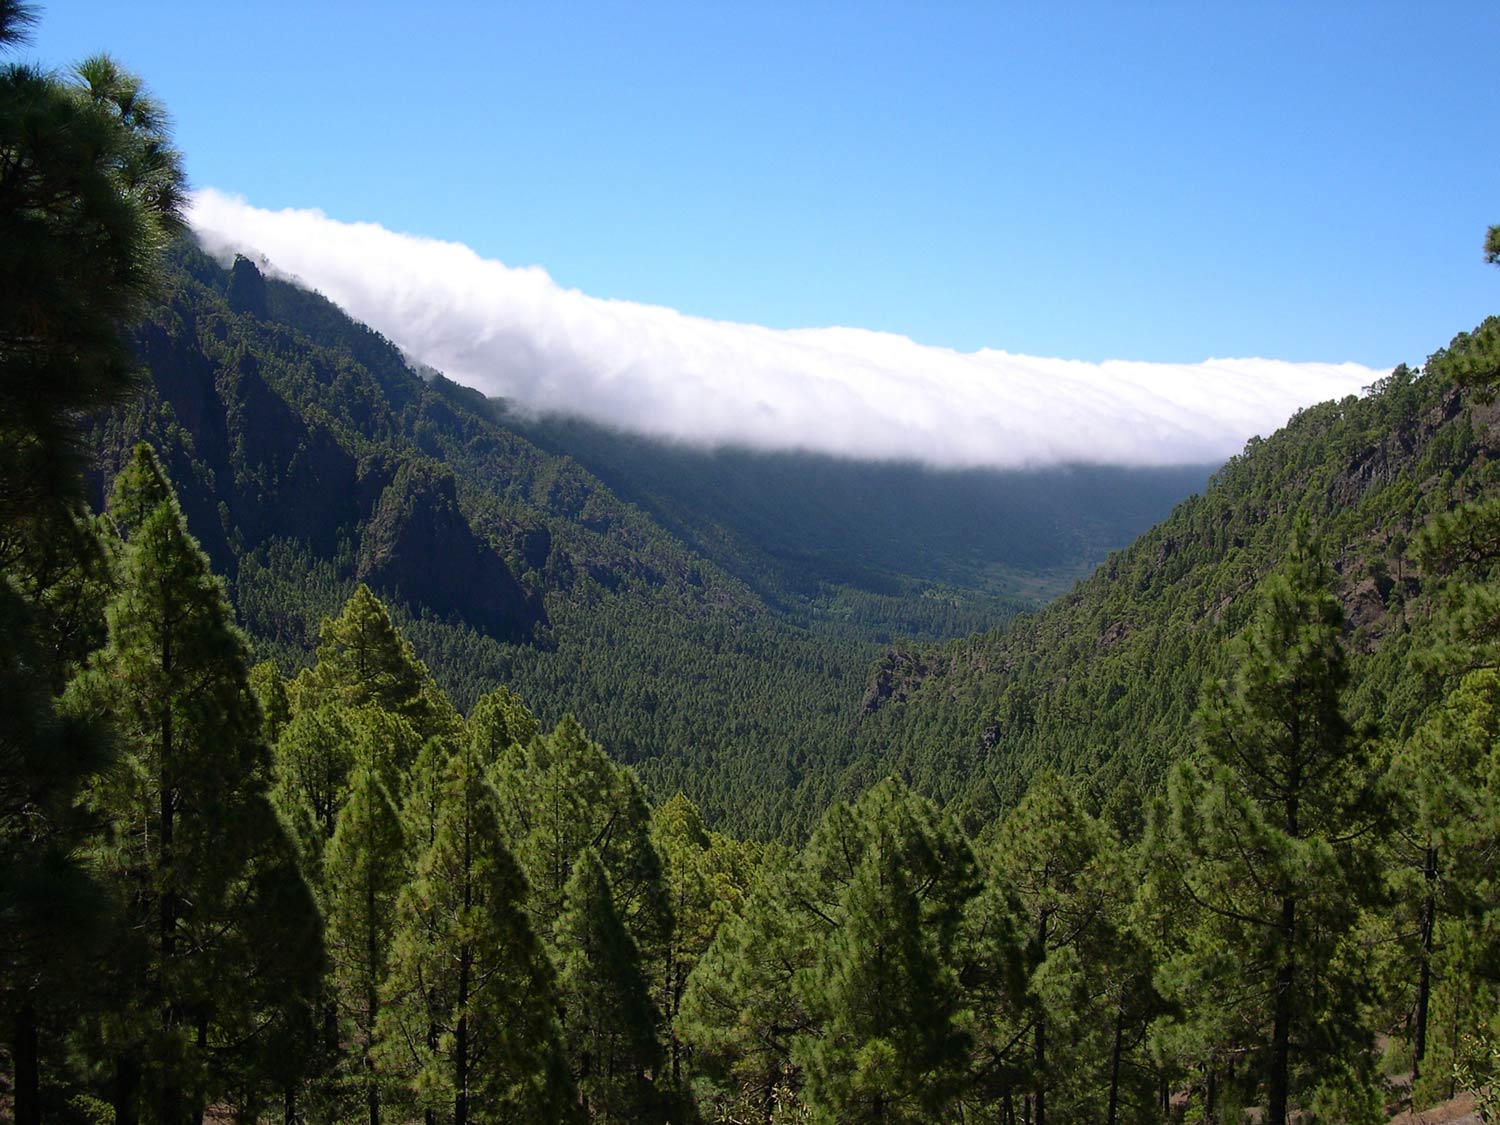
x,y
310,457
794,521
688,630
1104,682
705,650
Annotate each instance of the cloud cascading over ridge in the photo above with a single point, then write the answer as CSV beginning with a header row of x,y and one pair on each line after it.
x,y
842,391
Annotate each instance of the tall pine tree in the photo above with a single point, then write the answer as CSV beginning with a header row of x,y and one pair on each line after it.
x,y
190,843
1264,852
608,1018
840,985
469,1022
364,869
362,658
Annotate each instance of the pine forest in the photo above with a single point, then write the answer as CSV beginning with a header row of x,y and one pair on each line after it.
x,y
370,752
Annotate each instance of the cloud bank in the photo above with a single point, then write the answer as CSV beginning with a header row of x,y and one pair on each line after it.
x,y
841,391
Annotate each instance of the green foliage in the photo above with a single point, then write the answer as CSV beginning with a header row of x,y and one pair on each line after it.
x,y
468,1028
312,761
318,460
1102,684
190,845
92,189
1261,854
270,693
840,981
708,878
498,722
52,916
362,659
522,939
1088,991
608,1019
364,869
1472,359
563,796
1479,1072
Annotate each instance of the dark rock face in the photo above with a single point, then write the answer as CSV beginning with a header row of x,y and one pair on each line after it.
x,y
252,422
247,288
255,467
899,673
301,479
418,547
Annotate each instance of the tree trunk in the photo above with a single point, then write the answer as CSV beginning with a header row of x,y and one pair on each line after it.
x,y
372,1000
289,1105
127,1088
1424,968
461,1070
1281,1028
1114,1067
429,1115
1039,1046
200,1094
461,1033
170,1108
23,1056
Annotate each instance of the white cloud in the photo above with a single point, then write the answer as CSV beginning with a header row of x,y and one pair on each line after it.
x,y
843,391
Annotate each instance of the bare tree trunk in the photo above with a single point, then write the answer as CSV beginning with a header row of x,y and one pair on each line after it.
x,y
1114,1067
1039,1047
1424,968
169,1111
1281,1028
127,1088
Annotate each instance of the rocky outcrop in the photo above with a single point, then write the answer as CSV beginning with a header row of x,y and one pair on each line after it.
x,y
247,288
899,672
419,548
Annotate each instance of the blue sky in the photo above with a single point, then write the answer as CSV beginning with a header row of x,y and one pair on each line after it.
x,y
1092,181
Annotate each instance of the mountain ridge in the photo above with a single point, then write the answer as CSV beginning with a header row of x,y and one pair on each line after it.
x,y
712,655
310,455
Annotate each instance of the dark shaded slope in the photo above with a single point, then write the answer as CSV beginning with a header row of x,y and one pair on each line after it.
x,y
309,456
788,522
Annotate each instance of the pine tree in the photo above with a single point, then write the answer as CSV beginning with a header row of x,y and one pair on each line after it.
x,y
91,190
312,760
708,878
884,986
499,722
50,924
1264,842
995,976
839,986
422,797
468,1025
563,795
742,1010
363,659
1445,836
364,869
608,1018
1054,858
270,693
190,840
